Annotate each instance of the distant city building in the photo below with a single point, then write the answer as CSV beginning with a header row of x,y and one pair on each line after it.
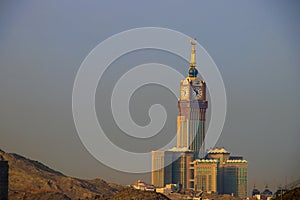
x,y
192,106
190,131
140,185
265,195
177,161
205,175
187,164
255,191
267,192
218,172
169,188
3,179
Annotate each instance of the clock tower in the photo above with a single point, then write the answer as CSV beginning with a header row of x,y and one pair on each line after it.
x,y
173,165
192,106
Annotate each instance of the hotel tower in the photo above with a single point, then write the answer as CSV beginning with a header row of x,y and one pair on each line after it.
x,y
186,164
192,105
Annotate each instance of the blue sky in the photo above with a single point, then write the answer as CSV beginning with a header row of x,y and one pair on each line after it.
x,y
254,43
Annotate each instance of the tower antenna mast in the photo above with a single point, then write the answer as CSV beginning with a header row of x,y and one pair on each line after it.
x,y
193,53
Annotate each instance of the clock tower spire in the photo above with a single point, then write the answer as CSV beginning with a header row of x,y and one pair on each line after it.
x,y
192,106
193,72
193,53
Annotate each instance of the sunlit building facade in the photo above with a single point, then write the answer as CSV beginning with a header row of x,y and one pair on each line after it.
x,y
171,166
186,164
221,173
204,175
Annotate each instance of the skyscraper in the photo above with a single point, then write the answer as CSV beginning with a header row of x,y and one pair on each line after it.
x,y
220,172
172,166
192,106
187,163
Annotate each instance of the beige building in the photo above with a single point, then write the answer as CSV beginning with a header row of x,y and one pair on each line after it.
x,y
205,175
220,172
215,172
161,169
171,166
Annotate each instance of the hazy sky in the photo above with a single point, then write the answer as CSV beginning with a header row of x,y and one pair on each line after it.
x,y
254,43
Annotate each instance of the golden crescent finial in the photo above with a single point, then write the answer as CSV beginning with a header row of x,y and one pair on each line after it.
x,y
193,41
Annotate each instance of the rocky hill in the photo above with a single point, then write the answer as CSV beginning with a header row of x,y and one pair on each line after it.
x,y
293,194
132,194
33,180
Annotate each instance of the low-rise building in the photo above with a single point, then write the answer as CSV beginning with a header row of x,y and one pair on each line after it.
x,y
140,185
170,188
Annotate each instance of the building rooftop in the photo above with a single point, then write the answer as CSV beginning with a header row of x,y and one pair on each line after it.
x,y
206,161
218,151
236,161
176,149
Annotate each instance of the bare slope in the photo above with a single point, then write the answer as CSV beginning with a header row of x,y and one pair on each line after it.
x,y
36,179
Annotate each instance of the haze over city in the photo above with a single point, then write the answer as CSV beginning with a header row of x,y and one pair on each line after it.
x,y
255,45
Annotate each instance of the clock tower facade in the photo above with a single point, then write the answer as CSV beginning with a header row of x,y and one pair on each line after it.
x,y
192,106
173,165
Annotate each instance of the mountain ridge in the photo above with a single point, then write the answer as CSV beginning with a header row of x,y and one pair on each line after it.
x,y
28,177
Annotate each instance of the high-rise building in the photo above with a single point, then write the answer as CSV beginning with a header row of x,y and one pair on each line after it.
x,y
171,166
192,106
187,163
3,179
205,175
161,168
220,172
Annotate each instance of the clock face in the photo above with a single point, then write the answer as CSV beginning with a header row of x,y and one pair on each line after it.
x,y
184,92
197,93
